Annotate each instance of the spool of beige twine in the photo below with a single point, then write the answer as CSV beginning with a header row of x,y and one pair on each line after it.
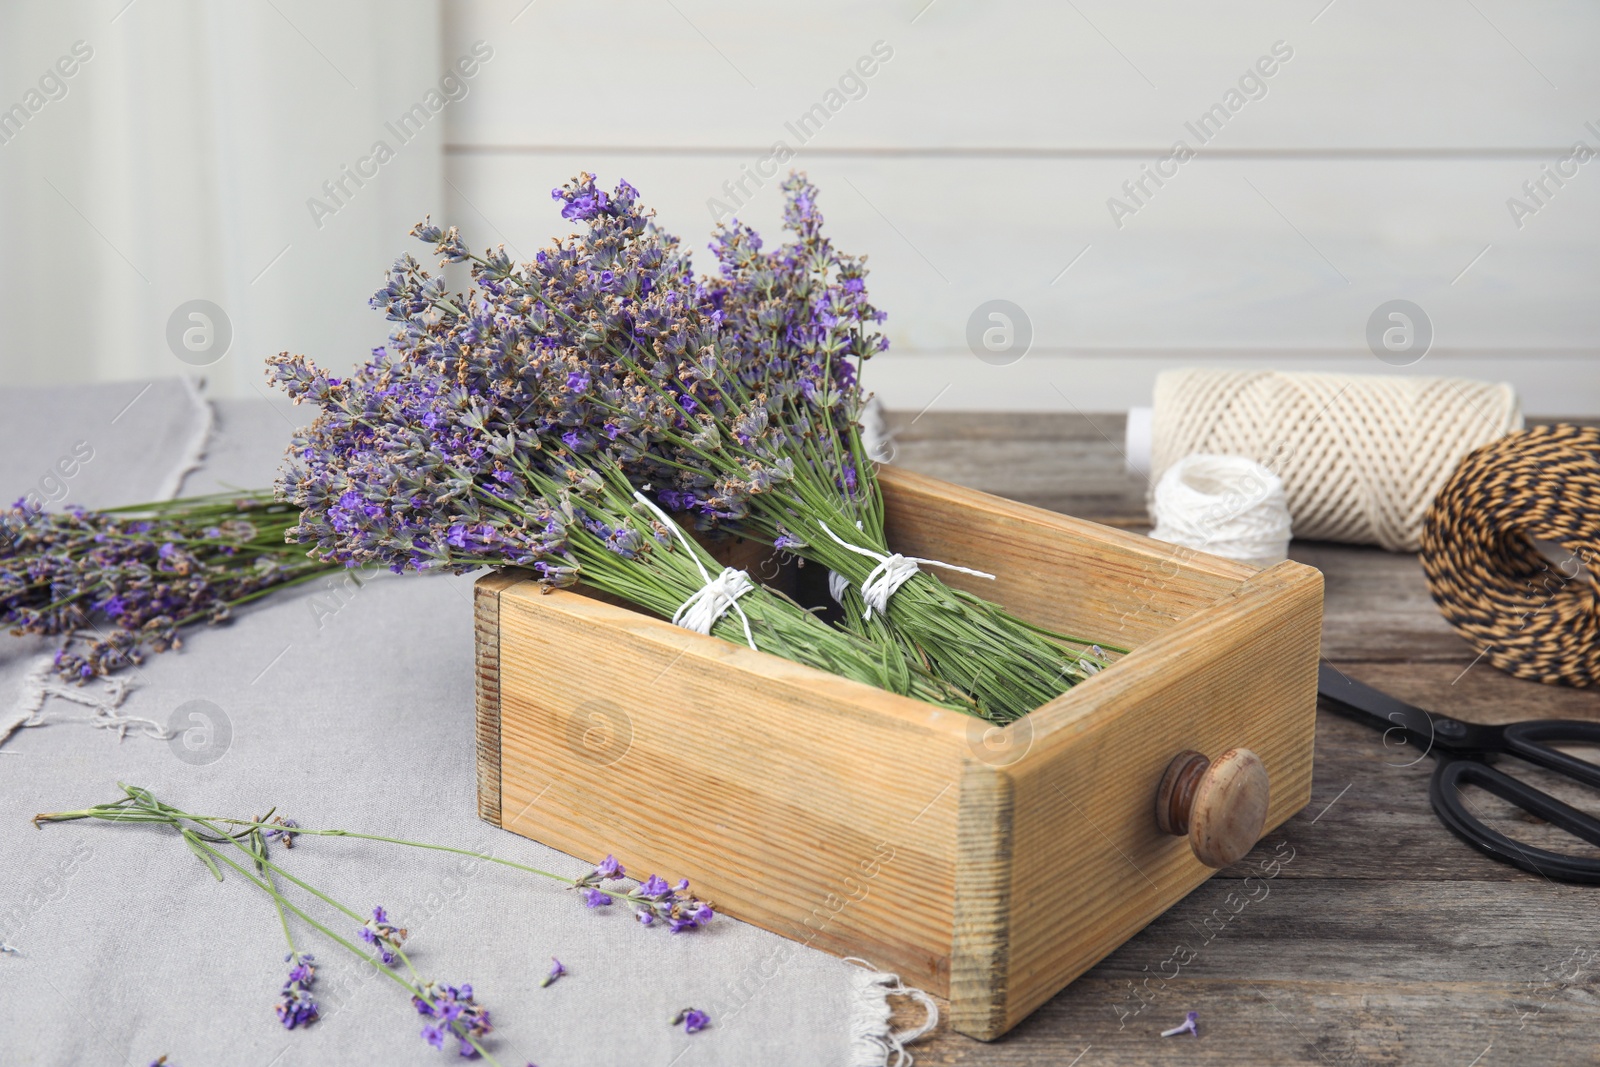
x,y
1361,456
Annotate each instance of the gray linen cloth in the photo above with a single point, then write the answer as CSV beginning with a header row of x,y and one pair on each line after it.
x,y
345,710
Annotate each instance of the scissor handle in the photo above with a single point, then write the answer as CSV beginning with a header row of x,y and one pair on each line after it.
x,y
1531,741
1452,773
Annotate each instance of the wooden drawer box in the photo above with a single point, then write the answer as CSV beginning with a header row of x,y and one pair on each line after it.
x,y
992,866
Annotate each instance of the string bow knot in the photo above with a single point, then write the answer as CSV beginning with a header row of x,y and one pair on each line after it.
x,y
713,599
893,571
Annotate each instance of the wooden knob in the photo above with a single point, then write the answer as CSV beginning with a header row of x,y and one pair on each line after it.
x,y
1221,806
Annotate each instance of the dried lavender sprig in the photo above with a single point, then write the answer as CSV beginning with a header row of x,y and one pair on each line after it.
x,y
452,1010
805,303
140,805
296,1006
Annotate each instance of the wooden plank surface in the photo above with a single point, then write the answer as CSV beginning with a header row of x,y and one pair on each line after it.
x,y
1039,76
1209,274
1369,934
1021,151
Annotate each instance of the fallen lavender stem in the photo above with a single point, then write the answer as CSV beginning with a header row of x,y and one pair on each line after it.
x,y
452,1011
122,811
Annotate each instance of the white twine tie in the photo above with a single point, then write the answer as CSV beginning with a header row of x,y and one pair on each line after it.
x,y
713,599
837,584
893,571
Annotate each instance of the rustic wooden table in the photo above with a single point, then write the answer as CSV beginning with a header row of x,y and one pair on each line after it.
x,y
1383,939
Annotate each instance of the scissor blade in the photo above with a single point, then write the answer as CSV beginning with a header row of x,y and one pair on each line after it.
x,y
1373,707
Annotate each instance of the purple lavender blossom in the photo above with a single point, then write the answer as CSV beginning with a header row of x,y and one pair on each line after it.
x,y
295,1006
693,1019
655,900
284,832
452,1012
557,969
381,935
461,444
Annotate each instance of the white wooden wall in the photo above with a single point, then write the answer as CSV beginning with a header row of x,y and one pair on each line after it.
x,y
974,164
979,162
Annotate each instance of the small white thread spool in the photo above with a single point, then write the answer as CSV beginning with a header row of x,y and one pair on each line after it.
x,y
1226,505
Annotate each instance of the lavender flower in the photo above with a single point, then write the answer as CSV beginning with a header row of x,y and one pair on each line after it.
x,y
607,870
452,1012
382,936
556,971
1190,1025
794,324
284,832
654,898
693,1019
295,1006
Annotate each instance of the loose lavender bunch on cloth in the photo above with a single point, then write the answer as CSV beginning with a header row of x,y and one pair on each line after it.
x,y
451,1012
420,461
735,398
118,585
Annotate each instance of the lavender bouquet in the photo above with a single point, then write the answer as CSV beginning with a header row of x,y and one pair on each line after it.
x,y
419,462
736,399
118,585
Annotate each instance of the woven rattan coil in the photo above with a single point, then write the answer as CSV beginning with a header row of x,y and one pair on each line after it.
x,y
1530,617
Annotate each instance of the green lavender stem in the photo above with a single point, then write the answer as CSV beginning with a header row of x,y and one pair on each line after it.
x,y
146,808
116,811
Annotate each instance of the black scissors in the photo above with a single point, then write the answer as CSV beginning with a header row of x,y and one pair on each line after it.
x,y
1463,751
